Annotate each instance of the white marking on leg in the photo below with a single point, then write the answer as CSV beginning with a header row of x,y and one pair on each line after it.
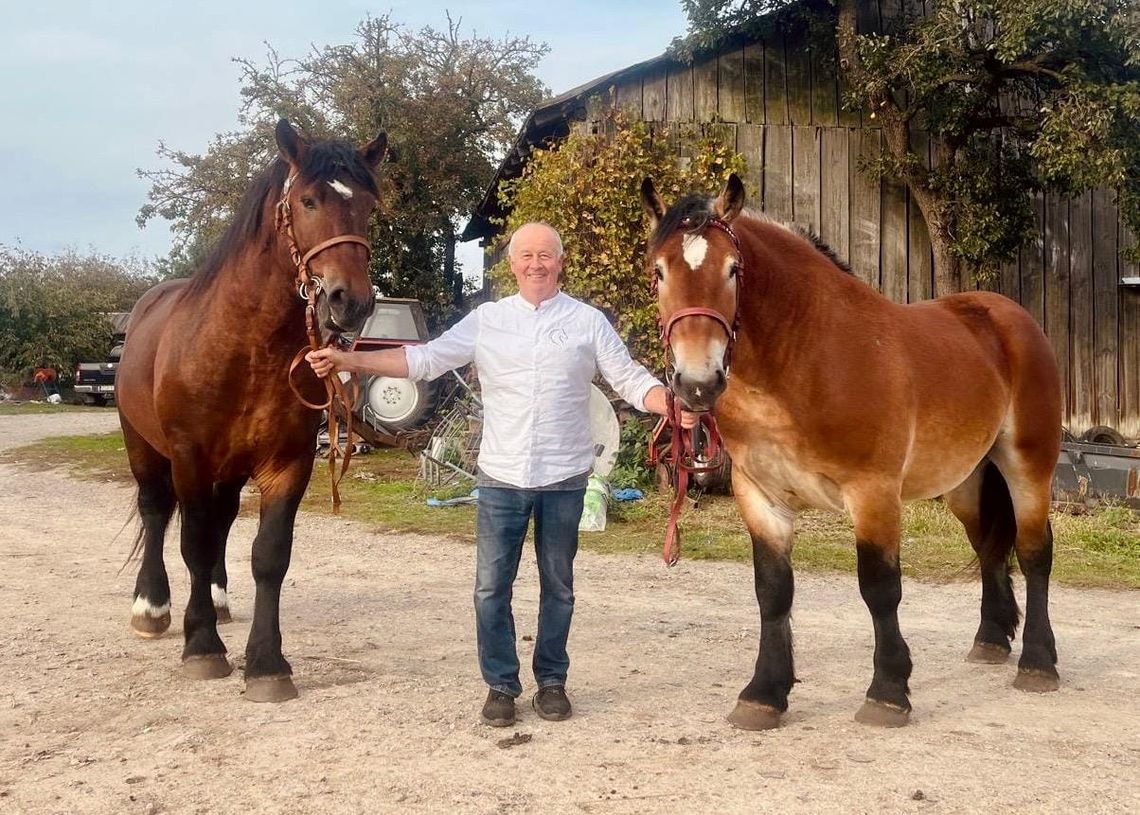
x,y
142,608
344,191
218,594
695,247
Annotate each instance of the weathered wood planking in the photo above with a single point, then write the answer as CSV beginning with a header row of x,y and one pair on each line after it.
x,y
775,83
824,87
653,90
920,265
805,177
798,61
1081,313
866,207
1032,267
731,92
754,83
835,190
778,172
750,144
679,93
629,99
705,89
894,241
1105,279
1057,287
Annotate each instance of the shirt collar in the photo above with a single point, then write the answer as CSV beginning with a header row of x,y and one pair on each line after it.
x,y
545,304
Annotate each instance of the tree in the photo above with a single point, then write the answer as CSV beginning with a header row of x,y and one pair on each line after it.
x,y
451,106
53,308
1018,96
587,187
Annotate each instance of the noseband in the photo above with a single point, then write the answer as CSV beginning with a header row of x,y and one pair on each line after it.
x,y
729,328
309,287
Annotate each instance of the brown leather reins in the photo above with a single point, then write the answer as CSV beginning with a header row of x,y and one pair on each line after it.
x,y
310,287
698,449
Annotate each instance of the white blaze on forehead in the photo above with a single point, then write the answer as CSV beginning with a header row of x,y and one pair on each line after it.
x,y
695,247
344,191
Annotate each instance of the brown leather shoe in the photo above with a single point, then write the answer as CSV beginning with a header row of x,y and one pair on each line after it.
x,y
552,704
499,709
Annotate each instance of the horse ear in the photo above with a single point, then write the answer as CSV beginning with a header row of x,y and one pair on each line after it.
x,y
374,151
289,143
731,200
651,202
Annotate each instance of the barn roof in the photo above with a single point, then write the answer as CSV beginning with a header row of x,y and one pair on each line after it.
x,y
550,120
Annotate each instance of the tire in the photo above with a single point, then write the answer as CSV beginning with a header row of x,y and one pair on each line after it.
x,y
398,404
1102,434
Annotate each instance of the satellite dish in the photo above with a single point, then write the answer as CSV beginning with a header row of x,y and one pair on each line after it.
x,y
604,432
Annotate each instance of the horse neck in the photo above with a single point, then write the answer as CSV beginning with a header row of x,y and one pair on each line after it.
x,y
783,298
256,289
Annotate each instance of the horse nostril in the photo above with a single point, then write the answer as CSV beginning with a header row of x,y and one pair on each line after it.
x,y
337,297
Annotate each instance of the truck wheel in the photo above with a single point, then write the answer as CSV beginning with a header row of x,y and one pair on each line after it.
x,y
399,404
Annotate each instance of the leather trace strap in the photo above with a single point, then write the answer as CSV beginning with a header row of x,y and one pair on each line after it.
x,y
309,288
698,449
691,450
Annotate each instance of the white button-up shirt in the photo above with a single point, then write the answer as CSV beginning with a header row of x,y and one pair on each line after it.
x,y
535,365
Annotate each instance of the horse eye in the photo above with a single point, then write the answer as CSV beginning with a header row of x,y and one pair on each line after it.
x,y
657,271
308,203
733,270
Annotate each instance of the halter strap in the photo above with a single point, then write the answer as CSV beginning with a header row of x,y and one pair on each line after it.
x,y
309,286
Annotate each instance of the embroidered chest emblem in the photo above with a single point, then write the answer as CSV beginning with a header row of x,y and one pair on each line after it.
x,y
557,337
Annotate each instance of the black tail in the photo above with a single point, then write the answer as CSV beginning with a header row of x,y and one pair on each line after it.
x,y
998,534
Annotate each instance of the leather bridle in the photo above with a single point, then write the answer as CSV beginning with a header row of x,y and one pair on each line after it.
x,y
309,288
688,454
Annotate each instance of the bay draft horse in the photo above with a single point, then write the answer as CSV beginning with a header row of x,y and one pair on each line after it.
x,y
204,395
839,399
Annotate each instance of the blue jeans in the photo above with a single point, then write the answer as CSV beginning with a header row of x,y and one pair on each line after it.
x,y
504,514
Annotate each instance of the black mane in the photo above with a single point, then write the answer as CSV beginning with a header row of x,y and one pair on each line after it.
x,y
323,161
693,212
693,207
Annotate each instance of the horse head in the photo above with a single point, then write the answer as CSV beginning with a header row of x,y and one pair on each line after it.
x,y
326,202
695,265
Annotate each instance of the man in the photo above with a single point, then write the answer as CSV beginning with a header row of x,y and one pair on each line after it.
x,y
536,353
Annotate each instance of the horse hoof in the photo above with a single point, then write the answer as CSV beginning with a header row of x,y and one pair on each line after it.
x,y
224,615
880,714
988,653
206,666
148,627
270,688
754,716
1035,680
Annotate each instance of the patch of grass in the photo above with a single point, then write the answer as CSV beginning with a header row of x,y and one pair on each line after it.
x,y
1100,548
25,408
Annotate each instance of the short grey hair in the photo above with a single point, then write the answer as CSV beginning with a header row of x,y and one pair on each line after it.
x,y
557,237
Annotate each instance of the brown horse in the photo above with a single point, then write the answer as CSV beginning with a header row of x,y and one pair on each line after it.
x,y
204,396
836,398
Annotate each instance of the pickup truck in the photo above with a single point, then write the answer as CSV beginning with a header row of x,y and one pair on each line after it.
x,y
95,381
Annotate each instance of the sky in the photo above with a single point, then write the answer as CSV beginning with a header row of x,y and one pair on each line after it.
x,y
89,89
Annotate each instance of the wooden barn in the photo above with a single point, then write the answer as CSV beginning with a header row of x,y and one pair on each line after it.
x,y
778,104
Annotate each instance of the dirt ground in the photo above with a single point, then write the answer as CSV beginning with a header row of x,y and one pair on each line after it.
x,y
379,630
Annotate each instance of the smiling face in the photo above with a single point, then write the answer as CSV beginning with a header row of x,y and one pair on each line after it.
x,y
536,260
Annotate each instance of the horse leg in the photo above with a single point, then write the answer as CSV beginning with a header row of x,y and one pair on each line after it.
x,y
1030,485
150,611
765,698
204,653
227,501
983,505
268,675
877,514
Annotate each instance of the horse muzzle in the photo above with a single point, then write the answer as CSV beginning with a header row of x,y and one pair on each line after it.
x,y
698,393
342,313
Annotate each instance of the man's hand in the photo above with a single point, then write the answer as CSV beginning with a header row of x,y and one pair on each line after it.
x,y
325,361
689,420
